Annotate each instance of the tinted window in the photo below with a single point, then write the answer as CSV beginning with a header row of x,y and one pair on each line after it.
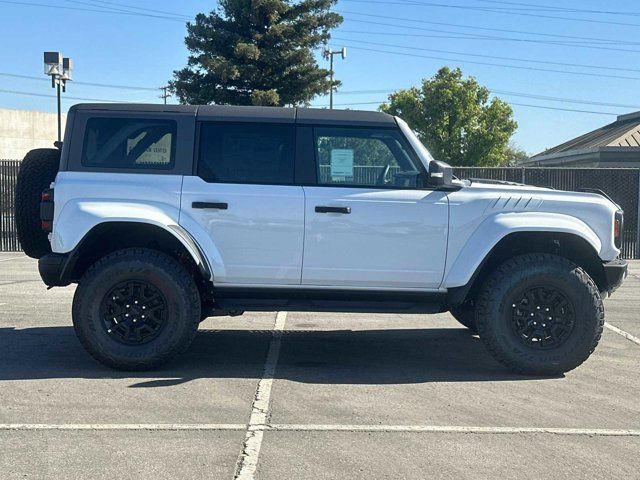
x,y
246,153
129,143
364,157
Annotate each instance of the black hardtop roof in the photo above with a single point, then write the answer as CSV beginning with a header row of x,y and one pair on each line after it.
x,y
232,113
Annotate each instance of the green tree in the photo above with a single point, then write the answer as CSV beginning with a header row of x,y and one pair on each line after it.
x,y
454,117
256,52
515,154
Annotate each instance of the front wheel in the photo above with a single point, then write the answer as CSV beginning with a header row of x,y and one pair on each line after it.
x,y
135,309
540,314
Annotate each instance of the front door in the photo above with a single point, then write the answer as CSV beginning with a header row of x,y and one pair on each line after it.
x,y
368,222
244,201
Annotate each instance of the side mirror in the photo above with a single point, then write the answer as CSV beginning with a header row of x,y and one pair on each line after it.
x,y
440,174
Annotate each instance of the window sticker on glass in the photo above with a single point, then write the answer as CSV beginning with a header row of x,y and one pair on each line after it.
x,y
341,164
157,153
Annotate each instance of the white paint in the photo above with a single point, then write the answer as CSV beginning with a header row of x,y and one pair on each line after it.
x,y
259,238
122,426
261,428
248,459
626,335
456,429
392,238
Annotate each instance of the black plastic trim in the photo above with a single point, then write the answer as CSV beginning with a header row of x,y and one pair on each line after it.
x,y
328,300
51,268
615,272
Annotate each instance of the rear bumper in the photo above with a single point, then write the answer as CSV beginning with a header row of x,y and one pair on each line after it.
x,y
52,268
615,272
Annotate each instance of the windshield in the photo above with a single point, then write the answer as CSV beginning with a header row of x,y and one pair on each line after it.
x,y
415,142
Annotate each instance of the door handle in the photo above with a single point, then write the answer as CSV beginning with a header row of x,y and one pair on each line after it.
x,y
211,205
343,210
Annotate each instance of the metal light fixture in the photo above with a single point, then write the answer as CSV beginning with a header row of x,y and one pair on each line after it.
x,y
60,70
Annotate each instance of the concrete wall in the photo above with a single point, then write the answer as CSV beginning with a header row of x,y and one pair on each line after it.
x,y
23,130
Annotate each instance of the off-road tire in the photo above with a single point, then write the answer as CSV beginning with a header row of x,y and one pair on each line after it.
x,y
37,171
494,313
137,264
466,315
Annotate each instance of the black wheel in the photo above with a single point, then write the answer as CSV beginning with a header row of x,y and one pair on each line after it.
x,y
37,171
466,315
540,314
135,309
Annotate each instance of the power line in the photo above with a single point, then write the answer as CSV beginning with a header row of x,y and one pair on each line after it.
x,y
494,10
548,62
130,7
516,104
88,84
94,10
592,46
506,93
33,94
475,62
501,30
561,9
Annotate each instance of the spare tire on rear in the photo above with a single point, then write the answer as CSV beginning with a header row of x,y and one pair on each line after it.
x,y
37,171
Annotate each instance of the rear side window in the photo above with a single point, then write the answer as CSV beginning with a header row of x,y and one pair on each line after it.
x,y
129,143
246,153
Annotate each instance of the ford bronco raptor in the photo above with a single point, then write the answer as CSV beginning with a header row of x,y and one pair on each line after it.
x,y
166,215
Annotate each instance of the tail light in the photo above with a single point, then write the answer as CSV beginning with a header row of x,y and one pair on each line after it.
x,y
618,228
46,210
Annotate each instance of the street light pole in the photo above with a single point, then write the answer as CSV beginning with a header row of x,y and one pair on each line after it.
x,y
59,69
328,53
59,113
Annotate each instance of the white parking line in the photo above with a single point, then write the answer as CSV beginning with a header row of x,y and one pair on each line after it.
x,y
248,458
261,428
626,335
122,426
455,429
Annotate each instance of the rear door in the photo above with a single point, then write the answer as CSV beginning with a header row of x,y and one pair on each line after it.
x,y
244,200
369,221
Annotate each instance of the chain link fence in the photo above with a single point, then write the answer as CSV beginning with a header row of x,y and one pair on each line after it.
x,y
621,184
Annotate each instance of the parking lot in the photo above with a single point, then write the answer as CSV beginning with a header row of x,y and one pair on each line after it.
x,y
306,396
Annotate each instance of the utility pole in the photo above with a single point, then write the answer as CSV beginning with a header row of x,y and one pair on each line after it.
x,y
165,93
328,53
59,69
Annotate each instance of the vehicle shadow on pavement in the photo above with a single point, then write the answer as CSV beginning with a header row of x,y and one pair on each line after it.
x,y
392,356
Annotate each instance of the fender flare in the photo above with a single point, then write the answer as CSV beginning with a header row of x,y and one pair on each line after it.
x,y
492,230
86,216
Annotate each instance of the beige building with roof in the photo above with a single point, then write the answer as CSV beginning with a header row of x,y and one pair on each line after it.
x,y
616,145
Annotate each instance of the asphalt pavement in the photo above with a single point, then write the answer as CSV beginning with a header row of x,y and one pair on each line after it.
x,y
309,396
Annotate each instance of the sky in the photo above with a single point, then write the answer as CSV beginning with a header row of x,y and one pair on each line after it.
x,y
546,59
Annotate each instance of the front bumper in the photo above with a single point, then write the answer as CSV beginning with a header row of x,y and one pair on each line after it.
x,y
615,272
52,269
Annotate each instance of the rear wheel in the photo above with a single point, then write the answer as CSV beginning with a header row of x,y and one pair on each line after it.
x,y
136,309
37,171
540,314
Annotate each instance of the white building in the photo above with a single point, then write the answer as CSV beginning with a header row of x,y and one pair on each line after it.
x,y
24,130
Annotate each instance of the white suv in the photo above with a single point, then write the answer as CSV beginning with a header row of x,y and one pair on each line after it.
x,y
165,215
